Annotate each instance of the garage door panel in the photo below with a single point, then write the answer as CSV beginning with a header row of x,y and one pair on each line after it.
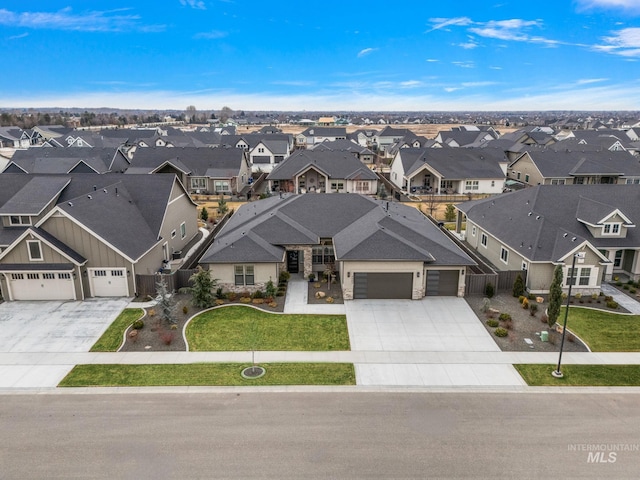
x,y
395,285
442,282
108,282
41,286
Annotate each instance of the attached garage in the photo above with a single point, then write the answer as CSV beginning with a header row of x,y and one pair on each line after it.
x,y
383,285
442,283
41,285
108,282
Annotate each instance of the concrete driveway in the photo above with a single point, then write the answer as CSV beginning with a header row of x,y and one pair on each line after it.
x,y
434,324
56,326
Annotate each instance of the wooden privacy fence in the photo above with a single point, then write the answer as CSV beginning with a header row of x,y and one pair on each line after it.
x,y
147,284
476,284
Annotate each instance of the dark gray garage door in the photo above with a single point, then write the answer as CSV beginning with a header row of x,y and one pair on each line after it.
x,y
442,282
382,285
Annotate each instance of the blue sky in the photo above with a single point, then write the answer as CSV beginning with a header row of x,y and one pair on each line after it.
x,y
329,55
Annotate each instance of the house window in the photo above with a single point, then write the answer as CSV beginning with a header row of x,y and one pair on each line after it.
x,y
585,275
260,150
473,231
198,183
471,185
611,229
183,230
33,276
446,184
571,276
504,255
493,183
578,180
633,181
19,220
35,250
17,276
617,261
117,273
557,181
526,178
99,273
518,176
244,275
323,254
173,233
221,186
49,276
483,240
64,276
362,186
336,186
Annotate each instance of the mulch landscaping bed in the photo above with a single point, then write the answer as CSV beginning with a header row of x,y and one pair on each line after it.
x,y
157,335
523,325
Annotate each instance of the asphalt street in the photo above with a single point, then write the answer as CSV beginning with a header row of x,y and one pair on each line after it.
x,y
320,435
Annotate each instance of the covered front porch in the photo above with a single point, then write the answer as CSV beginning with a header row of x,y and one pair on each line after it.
x,y
425,181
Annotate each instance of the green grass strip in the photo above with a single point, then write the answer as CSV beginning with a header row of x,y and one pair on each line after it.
x,y
581,375
240,328
604,331
208,374
111,339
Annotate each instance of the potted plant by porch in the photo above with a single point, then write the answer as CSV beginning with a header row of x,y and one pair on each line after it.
x,y
311,277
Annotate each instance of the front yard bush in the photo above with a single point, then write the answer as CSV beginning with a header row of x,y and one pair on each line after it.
x,y
501,332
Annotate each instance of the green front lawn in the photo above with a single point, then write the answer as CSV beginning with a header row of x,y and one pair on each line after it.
x,y
208,374
245,328
581,375
604,331
111,340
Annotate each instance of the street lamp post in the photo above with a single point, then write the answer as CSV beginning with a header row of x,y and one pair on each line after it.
x,y
557,373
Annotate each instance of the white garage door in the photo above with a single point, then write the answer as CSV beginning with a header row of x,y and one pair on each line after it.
x,y
108,282
41,286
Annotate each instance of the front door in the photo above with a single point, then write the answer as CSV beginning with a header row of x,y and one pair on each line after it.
x,y
292,261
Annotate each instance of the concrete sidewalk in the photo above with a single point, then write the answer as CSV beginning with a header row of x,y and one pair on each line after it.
x,y
297,297
623,300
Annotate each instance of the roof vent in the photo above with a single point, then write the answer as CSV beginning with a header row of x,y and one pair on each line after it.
x,y
104,190
529,214
95,188
537,217
564,235
70,204
89,197
573,239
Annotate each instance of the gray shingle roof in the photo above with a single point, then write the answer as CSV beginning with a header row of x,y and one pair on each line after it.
x,y
455,163
361,229
334,164
534,221
34,196
565,163
63,160
198,162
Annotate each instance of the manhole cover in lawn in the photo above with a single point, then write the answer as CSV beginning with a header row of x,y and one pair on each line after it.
x,y
253,372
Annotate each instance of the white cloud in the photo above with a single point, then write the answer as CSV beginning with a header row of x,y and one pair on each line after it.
x,y
212,35
65,19
411,84
432,60
16,37
625,42
452,89
470,45
197,4
439,23
630,5
366,51
464,64
493,67
587,81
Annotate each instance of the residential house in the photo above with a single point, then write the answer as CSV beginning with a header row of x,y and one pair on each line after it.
x,y
559,167
449,170
69,237
314,135
389,135
537,228
201,170
378,249
327,171
41,161
14,137
463,138
363,154
265,150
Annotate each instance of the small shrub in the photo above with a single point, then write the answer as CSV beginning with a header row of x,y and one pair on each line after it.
x,y
521,298
531,296
138,324
533,308
518,286
571,337
232,296
245,299
525,304
504,317
284,276
329,299
544,318
258,294
594,296
269,299
219,302
501,332
492,323
258,301
631,282
245,294
625,287
564,295
508,325
151,312
270,289
273,304
618,283
608,298
166,337
280,293
578,296
312,277
219,292
632,290
486,305
490,314
612,304
185,309
489,290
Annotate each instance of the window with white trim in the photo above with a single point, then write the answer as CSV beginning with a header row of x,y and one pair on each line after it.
x,y
183,230
173,233
221,186
19,220
471,184
632,181
244,275
198,183
483,240
617,261
362,186
336,186
35,250
526,178
504,255
473,231
585,275
611,229
557,181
